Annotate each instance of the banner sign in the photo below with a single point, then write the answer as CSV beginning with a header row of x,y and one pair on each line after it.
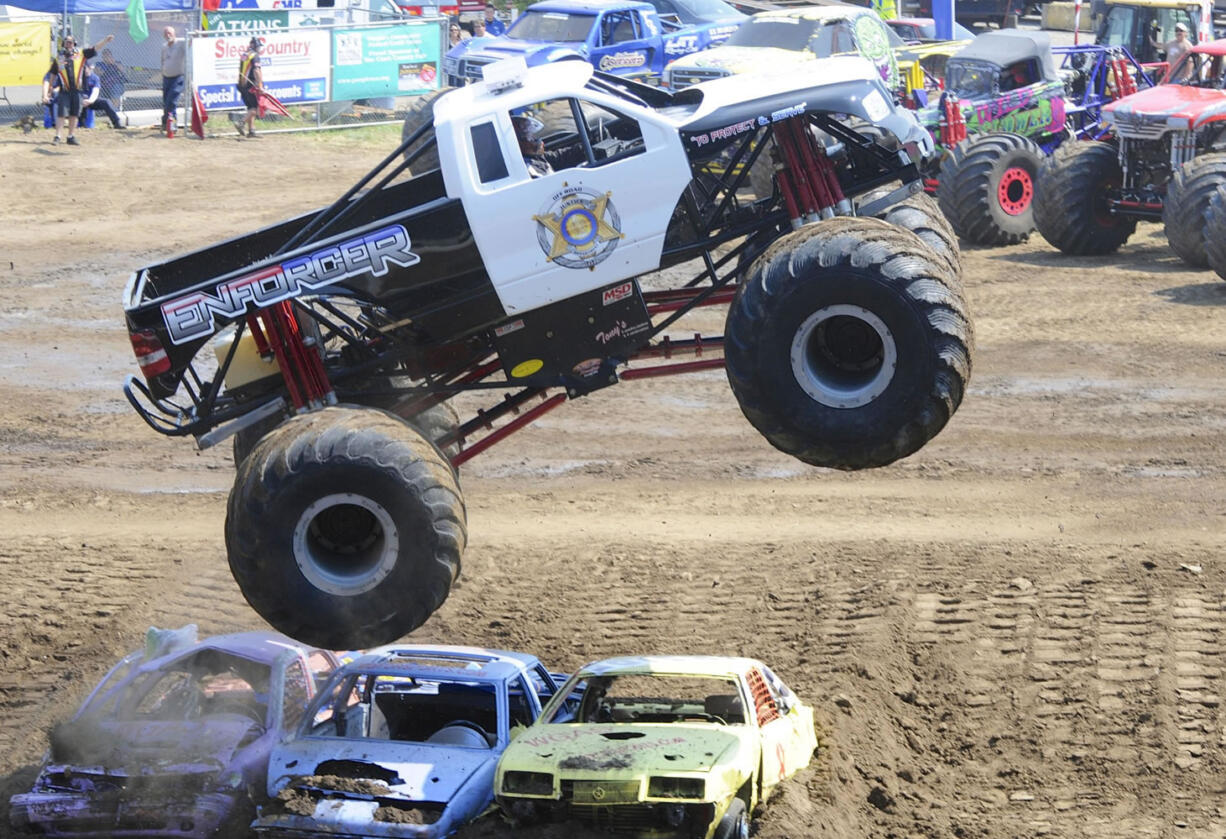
x,y
245,21
294,65
386,61
25,52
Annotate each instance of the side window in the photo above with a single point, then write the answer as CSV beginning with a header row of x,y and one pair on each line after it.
x,y
491,166
765,706
822,42
612,135
320,665
543,682
617,28
521,706
297,693
550,138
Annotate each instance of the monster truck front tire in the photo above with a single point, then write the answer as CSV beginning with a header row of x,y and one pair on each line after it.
x,y
986,188
848,345
345,528
1187,200
1070,203
421,112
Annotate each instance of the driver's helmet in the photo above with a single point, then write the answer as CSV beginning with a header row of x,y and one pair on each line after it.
x,y
527,127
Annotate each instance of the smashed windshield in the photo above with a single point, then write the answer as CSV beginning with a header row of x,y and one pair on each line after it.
x,y
551,26
654,697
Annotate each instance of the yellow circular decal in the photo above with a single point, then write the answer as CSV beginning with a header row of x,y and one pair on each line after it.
x,y
526,368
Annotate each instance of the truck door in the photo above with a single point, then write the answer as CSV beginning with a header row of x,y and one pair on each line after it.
x,y
624,46
595,214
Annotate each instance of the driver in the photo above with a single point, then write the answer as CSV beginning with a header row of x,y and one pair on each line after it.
x,y
542,161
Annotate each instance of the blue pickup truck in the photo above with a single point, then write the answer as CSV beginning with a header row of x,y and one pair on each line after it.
x,y
624,37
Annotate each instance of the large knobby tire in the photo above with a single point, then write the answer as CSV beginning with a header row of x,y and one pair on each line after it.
x,y
848,345
1215,232
345,528
1187,199
1070,202
986,188
421,112
434,423
735,823
921,215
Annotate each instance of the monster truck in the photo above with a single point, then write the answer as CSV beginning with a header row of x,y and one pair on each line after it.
x,y
622,37
1006,92
1144,27
847,340
1164,162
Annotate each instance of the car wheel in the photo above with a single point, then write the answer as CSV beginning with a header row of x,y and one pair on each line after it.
x,y
1187,199
986,188
735,823
1070,202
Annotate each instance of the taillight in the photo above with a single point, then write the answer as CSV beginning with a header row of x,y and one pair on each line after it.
x,y
150,356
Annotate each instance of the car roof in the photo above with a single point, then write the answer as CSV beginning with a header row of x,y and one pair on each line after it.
x,y
1003,47
688,665
592,6
839,11
262,646
1153,4
443,661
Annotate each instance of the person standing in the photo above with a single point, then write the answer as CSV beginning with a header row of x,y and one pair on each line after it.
x,y
1177,48
67,79
493,26
111,76
174,65
250,81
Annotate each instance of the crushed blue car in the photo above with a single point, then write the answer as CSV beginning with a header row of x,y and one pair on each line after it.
x,y
623,37
403,742
174,738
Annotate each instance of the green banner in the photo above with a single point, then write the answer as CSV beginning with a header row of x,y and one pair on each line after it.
x,y
245,21
396,60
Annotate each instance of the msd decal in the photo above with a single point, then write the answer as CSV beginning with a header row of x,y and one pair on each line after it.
x,y
618,292
191,316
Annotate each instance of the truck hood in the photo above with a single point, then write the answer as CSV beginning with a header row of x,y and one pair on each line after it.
x,y
410,771
1192,105
499,48
623,749
741,59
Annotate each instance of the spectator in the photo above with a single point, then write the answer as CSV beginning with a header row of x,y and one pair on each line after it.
x,y
67,80
1176,49
51,98
95,100
456,35
250,82
174,64
479,28
493,26
111,76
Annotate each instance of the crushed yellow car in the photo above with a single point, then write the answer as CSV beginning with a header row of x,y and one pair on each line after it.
x,y
669,745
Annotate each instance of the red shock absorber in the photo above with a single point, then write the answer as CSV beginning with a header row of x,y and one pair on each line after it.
x,y
1125,84
796,175
809,174
301,367
953,126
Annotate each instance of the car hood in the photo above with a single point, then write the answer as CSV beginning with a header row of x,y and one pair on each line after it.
x,y
623,748
1197,104
173,746
740,59
410,771
508,47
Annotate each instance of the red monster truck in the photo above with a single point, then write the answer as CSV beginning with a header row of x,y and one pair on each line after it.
x,y
1164,162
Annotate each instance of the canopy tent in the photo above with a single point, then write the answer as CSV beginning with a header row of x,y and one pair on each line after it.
x,y
85,7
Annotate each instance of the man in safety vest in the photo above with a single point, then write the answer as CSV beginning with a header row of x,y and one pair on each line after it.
x,y
250,84
67,79
885,9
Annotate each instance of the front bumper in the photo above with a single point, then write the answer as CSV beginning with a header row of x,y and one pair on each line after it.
x,y
80,815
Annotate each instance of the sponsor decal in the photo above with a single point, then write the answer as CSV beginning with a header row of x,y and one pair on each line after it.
x,y
578,227
526,368
1022,113
587,368
874,44
681,45
191,316
621,329
736,128
622,61
508,328
618,292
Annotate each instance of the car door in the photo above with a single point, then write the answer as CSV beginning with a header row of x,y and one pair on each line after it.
x,y
577,227
624,47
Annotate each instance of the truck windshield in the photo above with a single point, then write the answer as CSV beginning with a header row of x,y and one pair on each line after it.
x,y
551,26
970,78
698,11
1116,31
784,33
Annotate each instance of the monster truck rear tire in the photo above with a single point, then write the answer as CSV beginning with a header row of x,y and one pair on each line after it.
x,y
421,112
1187,199
1215,232
1070,202
922,216
434,423
986,188
848,345
735,823
345,527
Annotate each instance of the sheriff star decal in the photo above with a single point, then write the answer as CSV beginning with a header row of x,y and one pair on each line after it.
x,y
578,227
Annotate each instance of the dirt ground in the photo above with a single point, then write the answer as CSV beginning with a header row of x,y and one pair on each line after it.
x,y
1016,632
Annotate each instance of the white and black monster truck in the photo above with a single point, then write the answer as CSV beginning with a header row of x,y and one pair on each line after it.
x,y
331,343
